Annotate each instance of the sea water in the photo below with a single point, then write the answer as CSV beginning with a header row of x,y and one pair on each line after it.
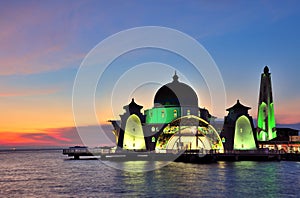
x,y
50,174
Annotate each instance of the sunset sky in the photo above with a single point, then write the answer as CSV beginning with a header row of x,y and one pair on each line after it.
x,y
43,43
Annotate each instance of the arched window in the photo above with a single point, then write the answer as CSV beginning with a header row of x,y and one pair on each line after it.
x,y
153,139
188,112
175,113
153,129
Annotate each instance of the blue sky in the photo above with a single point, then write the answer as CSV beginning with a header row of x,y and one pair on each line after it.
x,y
42,44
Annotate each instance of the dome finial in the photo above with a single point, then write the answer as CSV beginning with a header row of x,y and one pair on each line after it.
x,y
175,77
266,70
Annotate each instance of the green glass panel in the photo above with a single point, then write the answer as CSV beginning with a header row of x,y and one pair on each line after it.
x,y
261,124
266,122
243,135
162,115
271,123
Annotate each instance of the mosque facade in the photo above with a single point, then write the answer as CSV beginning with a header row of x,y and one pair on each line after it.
x,y
174,123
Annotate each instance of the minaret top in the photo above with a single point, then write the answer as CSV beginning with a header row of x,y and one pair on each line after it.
x,y
132,105
238,106
266,70
175,77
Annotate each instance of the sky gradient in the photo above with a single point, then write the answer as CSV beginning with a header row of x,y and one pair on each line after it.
x,y
42,44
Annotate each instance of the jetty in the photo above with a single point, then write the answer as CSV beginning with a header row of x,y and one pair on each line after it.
x,y
189,156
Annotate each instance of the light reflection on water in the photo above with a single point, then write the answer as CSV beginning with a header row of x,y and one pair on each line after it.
x,y
137,166
50,174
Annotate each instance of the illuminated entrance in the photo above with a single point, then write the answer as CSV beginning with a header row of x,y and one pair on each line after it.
x,y
133,136
189,133
243,135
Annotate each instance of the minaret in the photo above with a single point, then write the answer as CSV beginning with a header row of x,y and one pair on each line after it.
x,y
266,126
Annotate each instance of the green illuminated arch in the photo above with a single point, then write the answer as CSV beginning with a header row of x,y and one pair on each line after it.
x,y
271,123
261,116
134,136
243,135
266,124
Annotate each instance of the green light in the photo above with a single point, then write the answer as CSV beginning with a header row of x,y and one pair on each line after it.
x,y
261,116
162,115
271,123
266,122
243,136
153,139
261,135
223,140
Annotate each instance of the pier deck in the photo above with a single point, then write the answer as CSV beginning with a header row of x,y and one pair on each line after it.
x,y
187,156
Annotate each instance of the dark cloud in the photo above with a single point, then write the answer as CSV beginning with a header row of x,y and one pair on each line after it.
x,y
66,136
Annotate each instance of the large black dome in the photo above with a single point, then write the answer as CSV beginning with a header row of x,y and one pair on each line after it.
x,y
176,94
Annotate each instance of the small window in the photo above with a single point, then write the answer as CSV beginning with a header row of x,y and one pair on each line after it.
x,y
153,139
188,112
175,113
153,129
199,115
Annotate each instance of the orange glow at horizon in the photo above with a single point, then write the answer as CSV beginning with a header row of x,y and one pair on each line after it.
x,y
20,139
288,112
30,113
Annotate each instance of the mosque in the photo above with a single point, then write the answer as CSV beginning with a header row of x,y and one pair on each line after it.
x,y
175,123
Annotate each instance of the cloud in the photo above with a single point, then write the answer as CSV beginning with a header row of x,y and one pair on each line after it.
x,y
287,118
36,139
42,60
34,40
65,136
43,36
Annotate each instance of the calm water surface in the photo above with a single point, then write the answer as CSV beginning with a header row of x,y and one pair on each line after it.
x,y
50,174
